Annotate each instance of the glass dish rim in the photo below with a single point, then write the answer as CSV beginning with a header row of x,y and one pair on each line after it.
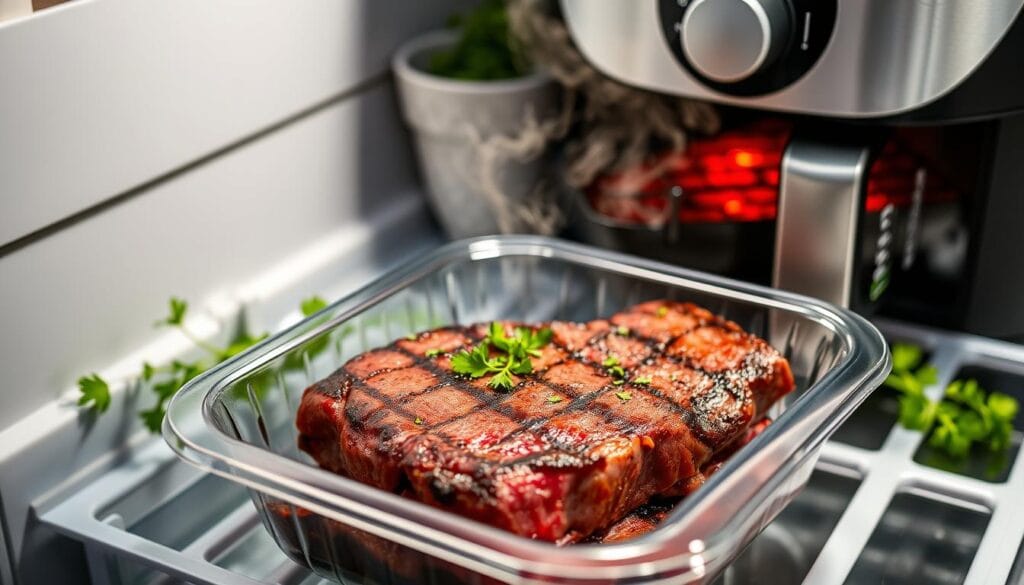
x,y
424,528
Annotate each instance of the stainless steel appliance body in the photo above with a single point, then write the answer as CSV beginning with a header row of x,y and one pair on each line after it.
x,y
941,79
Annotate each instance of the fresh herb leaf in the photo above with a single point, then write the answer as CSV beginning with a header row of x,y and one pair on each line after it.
x,y
296,360
624,395
153,418
554,399
165,390
622,330
502,381
965,416
1003,406
312,306
522,367
973,426
432,353
95,393
418,420
496,336
147,371
240,344
165,381
512,355
905,356
176,315
917,413
485,50
474,363
644,380
534,341
927,375
999,437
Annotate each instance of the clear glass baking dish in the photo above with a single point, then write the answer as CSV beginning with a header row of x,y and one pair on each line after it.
x,y
236,420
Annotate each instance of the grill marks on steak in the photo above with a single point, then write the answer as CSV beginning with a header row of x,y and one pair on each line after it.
x,y
551,470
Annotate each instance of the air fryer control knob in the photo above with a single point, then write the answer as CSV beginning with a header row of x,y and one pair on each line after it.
x,y
728,41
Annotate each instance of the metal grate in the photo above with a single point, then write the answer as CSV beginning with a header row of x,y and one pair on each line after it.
x,y
154,519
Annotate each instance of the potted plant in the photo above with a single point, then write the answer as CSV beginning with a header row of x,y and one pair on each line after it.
x,y
477,110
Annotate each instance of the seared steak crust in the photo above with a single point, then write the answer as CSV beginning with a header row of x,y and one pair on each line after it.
x,y
566,452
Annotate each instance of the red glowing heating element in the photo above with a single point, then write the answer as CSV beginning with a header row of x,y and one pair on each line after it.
x,y
734,177
897,175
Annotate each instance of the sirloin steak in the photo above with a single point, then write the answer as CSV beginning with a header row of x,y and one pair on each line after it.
x,y
571,448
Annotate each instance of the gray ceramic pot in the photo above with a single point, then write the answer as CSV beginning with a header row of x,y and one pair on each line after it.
x,y
449,117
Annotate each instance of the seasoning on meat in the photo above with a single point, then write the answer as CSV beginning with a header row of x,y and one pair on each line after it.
x,y
613,413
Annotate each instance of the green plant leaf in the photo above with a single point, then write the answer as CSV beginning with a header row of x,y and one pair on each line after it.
x,y
153,418
485,49
95,393
522,367
165,390
176,312
147,371
927,375
916,412
312,305
972,426
241,343
473,363
1000,435
966,416
501,381
1003,406
905,357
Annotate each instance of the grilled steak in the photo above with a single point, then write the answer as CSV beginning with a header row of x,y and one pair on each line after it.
x,y
647,517
571,448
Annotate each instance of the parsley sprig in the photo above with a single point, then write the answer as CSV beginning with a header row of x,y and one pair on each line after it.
x,y
511,355
966,415
165,380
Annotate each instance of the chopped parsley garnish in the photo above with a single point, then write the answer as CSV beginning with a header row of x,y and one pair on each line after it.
x,y
432,352
622,330
512,355
644,380
614,367
418,420
624,395
554,399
